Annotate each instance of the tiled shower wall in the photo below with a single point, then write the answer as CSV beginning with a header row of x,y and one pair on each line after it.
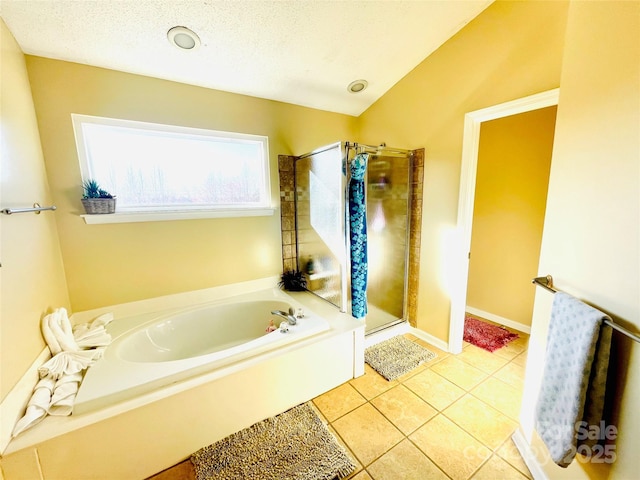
x,y
288,221
287,212
415,229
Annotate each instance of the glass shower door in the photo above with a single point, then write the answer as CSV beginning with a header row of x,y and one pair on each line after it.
x,y
388,185
320,219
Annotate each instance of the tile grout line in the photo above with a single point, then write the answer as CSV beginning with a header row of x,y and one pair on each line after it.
x,y
493,452
438,412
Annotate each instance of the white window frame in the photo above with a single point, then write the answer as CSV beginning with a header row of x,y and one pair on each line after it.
x,y
161,213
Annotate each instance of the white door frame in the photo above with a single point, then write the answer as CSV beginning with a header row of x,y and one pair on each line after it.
x,y
470,144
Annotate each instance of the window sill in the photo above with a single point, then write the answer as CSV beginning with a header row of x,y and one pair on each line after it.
x,y
135,217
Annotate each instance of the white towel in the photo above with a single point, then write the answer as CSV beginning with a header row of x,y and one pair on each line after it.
x,y
37,406
49,337
57,332
90,338
68,363
93,334
73,350
574,378
61,327
64,394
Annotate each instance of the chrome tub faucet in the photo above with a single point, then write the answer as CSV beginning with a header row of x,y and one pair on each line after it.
x,y
289,317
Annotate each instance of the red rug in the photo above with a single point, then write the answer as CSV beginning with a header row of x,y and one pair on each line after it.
x,y
485,335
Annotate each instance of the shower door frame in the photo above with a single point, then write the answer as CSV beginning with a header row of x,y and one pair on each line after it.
x,y
383,150
345,267
345,264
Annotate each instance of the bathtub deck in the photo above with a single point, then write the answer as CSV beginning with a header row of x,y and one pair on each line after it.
x,y
181,418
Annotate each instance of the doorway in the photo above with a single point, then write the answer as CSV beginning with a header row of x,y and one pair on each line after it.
x,y
468,177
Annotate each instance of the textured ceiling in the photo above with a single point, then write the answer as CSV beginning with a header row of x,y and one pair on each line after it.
x,y
303,52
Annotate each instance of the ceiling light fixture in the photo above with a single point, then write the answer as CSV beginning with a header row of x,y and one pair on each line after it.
x,y
183,38
357,86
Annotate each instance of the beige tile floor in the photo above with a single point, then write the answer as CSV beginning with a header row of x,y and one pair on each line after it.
x,y
450,418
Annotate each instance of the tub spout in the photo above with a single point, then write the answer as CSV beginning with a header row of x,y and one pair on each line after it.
x,y
287,316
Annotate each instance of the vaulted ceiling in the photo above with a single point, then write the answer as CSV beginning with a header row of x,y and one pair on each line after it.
x,y
304,52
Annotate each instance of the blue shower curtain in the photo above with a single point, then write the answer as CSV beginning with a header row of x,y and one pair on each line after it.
x,y
358,235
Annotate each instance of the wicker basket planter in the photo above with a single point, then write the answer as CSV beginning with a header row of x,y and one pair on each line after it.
x,y
99,205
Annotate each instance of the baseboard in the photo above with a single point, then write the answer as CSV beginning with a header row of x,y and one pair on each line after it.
x,y
13,406
435,341
521,327
400,329
528,456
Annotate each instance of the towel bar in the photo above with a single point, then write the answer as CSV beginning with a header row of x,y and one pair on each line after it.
x,y
547,284
36,209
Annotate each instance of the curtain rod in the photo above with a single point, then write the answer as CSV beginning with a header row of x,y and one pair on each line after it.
x,y
547,284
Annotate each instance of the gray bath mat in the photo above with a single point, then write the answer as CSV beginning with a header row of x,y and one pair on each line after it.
x,y
396,356
293,445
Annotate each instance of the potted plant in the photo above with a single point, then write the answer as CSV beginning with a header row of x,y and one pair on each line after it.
x,y
293,281
97,200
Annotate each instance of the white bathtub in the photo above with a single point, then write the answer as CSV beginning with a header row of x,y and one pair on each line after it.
x,y
183,404
153,350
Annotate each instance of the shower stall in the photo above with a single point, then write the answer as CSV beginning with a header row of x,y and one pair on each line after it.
x,y
322,227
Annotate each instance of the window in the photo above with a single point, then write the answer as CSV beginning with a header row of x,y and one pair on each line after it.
x,y
153,168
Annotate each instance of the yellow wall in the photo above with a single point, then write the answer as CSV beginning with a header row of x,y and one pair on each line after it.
x,y
514,158
511,50
111,264
31,277
591,241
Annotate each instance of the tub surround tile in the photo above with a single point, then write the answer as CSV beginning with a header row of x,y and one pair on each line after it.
x,y
485,423
404,408
450,447
367,433
287,212
339,401
415,233
288,223
288,264
405,462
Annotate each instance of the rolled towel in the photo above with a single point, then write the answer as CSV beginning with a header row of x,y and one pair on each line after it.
x,y
93,334
102,320
61,328
89,338
68,363
64,394
48,335
37,406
